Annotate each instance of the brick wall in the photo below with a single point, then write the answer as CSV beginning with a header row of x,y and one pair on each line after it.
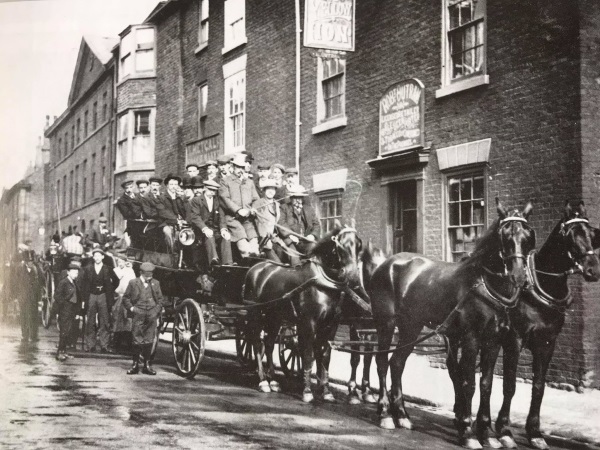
x,y
136,93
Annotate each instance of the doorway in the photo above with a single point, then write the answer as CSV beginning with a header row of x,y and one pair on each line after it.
x,y
404,216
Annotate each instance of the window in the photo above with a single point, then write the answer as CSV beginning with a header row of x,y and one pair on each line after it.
x,y
331,209
71,190
464,46
58,193
235,24
137,52
76,193
85,124
122,143
104,107
466,211
103,187
142,145
202,103
203,23
332,82
64,204
95,116
234,73
84,190
78,131
93,181
59,148
66,143
72,137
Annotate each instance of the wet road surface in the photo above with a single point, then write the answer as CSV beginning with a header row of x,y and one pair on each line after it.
x,y
89,402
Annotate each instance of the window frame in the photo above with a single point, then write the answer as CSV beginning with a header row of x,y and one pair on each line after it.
x,y
326,221
230,40
232,73
202,97
127,136
203,24
324,122
131,46
450,85
474,171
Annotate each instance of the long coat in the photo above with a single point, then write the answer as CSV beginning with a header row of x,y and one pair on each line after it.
x,y
130,208
291,221
149,208
201,217
170,210
235,194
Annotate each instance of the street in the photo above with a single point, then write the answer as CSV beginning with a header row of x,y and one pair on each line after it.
x,y
89,401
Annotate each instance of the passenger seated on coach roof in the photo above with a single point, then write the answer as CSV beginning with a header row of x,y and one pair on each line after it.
x,y
149,200
171,210
143,187
208,220
212,170
224,165
193,170
267,215
237,194
262,173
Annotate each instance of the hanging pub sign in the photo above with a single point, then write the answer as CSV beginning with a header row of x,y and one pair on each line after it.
x,y
329,24
401,117
203,150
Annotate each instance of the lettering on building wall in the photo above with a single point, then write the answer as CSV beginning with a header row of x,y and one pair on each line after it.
x,y
329,24
401,117
203,150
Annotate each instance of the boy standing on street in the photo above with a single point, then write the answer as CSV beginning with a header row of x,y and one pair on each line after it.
x,y
67,299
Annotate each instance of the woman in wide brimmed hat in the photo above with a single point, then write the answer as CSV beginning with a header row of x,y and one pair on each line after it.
x,y
267,215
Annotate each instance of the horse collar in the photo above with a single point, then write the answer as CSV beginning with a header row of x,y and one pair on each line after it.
x,y
540,295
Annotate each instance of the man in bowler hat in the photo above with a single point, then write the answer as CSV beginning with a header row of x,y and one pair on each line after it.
x,y
144,300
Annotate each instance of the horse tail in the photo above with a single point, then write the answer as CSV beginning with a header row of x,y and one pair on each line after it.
x,y
370,258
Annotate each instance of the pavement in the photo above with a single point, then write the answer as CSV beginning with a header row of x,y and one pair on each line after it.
x,y
568,415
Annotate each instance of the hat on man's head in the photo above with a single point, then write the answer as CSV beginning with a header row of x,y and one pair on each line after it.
x,y
192,165
126,183
249,156
224,159
147,267
102,219
297,191
172,177
263,167
291,171
268,183
74,266
186,182
155,180
239,160
278,166
212,185
143,181
98,250
211,162
196,183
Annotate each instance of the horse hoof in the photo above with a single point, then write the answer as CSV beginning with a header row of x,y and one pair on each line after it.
x,y
387,423
472,443
328,397
274,385
405,423
508,442
539,443
492,442
307,397
368,398
263,386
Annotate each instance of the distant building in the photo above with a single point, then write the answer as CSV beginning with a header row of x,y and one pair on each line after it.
x,y
80,173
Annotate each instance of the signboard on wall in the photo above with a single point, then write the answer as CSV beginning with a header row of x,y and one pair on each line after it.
x,y
401,117
329,24
203,150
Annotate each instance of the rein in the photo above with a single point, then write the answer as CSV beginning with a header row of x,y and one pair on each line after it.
x,y
540,295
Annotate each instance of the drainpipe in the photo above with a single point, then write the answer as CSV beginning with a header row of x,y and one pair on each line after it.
x,y
298,123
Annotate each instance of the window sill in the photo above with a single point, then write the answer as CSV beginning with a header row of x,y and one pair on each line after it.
x,y
462,85
330,125
201,47
235,45
135,167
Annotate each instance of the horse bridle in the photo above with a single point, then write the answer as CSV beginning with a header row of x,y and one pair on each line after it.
x,y
501,226
336,238
565,229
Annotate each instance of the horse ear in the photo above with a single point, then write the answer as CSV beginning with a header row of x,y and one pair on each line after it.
x,y
582,210
568,209
337,223
353,223
501,209
528,209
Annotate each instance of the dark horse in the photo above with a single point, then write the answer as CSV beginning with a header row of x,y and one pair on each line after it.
x,y
538,318
309,296
466,301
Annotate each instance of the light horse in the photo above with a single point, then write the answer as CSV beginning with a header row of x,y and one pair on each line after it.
x,y
539,317
466,301
309,296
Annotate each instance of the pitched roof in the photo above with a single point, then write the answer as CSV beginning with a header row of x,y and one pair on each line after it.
x,y
101,46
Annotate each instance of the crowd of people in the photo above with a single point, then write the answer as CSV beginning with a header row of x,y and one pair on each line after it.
x,y
232,210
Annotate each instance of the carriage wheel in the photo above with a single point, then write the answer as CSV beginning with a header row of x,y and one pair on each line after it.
x,y
47,299
245,352
189,337
290,358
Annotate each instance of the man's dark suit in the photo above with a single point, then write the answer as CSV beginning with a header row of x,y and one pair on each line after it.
x,y
131,209
68,297
169,209
305,224
201,217
98,295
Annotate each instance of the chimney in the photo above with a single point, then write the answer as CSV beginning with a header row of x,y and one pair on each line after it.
x,y
47,122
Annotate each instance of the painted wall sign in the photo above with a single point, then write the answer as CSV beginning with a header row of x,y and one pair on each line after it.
x,y
401,117
329,24
203,150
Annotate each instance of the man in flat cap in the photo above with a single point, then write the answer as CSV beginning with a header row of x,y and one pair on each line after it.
x,y
193,170
68,298
130,207
236,195
143,186
212,171
149,200
208,220
99,283
224,165
144,300
99,235
262,171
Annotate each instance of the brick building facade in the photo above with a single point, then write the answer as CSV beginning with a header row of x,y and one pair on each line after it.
x,y
79,178
508,108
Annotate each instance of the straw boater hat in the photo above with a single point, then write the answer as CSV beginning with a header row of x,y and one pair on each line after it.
x,y
297,191
239,160
212,185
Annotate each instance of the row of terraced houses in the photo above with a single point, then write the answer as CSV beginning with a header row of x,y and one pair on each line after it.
x,y
409,115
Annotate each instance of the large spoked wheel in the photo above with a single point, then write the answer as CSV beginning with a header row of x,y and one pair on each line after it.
x,y
245,351
289,352
189,338
47,299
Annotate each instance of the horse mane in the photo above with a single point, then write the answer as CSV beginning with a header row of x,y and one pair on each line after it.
x,y
485,246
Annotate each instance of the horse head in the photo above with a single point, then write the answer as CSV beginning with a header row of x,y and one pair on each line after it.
x,y
516,240
338,252
579,240
370,258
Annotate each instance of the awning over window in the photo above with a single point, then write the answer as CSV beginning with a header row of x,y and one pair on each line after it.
x,y
464,154
330,181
